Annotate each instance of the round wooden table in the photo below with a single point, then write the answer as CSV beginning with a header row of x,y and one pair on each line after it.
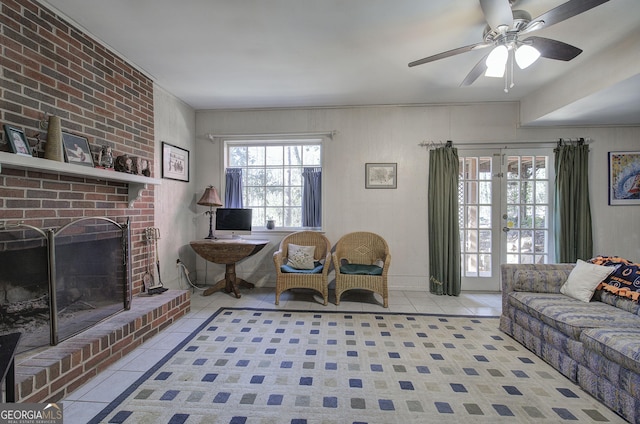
x,y
227,252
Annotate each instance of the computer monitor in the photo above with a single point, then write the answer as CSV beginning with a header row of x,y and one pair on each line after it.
x,y
233,221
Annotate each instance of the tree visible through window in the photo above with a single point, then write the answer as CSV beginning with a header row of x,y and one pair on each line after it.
x,y
272,177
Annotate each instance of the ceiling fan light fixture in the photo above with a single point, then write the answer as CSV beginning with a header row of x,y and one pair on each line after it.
x,y
526,55
497,61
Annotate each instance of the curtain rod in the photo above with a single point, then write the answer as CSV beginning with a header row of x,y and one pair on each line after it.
x,y
329,134
506,144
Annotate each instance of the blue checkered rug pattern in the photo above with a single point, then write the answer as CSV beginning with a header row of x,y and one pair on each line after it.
x,y
276,366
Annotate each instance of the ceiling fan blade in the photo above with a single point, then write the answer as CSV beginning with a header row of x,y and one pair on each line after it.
x,y
497,13
565,11
475,73
554,49
448,53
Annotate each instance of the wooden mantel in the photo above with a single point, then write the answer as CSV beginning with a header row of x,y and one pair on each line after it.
x,y
136,183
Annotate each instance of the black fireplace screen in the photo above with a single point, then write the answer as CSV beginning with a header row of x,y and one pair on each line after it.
x,y
57,283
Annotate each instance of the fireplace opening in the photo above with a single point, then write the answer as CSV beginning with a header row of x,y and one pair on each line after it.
x,y
57,283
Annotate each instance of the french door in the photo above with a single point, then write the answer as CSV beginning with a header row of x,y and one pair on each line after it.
x,y
505,212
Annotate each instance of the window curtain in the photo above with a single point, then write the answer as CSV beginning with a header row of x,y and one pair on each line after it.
x,y
311,197
233,188
444,228
573,237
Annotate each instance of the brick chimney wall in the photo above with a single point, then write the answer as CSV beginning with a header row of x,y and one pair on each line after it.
x,y
49,67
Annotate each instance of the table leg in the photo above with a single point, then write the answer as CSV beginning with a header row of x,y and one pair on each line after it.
x,y
229,283
230,276
217,286
244,283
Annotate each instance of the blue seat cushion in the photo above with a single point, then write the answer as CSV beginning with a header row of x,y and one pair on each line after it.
x,y
361,269
317,269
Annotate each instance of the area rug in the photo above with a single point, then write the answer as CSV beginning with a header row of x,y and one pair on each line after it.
x,y
275,366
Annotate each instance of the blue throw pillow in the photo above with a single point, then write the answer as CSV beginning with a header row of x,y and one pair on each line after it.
x,y
361,269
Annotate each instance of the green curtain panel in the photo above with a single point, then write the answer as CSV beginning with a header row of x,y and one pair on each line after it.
x,y
573,236
444,228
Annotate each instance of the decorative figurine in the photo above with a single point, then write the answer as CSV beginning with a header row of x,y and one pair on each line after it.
x,y
141,166
105,157
145,168
124,164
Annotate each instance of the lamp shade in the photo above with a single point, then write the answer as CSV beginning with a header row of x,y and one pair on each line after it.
x,y
496,62
526,55
210,197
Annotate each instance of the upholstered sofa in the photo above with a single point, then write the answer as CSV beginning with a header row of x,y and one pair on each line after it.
x,y
595,344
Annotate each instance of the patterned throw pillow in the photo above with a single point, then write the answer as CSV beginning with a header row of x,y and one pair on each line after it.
x,y
625,280
301,257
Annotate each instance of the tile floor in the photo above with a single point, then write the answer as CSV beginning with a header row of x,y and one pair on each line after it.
x,y
83,404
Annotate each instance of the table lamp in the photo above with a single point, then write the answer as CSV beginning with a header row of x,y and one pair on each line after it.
x,y
210,198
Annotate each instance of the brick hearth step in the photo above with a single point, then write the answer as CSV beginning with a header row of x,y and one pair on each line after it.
x,y
53,373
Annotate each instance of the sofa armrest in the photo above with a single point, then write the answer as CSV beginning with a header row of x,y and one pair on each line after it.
x,y
521,277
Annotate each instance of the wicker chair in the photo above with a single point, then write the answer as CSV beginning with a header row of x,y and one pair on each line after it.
x,y
362,250
303,280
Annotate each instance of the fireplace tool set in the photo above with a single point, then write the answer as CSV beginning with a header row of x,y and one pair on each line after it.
x,y
151,237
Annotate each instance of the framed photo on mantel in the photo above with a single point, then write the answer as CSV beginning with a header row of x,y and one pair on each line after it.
x,y
175,162
77,150
17,140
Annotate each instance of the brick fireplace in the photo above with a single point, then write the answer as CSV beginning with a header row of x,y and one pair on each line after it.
x,y
50,67
58,283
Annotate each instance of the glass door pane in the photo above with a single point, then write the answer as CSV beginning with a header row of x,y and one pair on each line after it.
x,y
527,219
479,240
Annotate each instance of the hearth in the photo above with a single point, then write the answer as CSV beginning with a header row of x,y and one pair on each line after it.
x,y
56,283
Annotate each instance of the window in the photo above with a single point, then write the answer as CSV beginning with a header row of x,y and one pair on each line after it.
x,y
272,177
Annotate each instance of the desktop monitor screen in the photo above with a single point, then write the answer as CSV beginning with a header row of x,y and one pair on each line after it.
x,y
233,221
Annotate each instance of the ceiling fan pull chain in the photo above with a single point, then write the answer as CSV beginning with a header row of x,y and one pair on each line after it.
x,y
506,78
512,60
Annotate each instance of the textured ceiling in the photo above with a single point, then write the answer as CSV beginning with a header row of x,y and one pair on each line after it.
x,y
222,54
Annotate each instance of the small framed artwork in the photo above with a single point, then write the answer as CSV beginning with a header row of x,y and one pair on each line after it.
x,y
624,178
17,140
175,162
76,149
381,175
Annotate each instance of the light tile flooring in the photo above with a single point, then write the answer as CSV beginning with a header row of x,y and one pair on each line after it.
x,y
83,404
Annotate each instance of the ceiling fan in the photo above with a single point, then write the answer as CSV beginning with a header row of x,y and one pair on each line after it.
x,y
503,32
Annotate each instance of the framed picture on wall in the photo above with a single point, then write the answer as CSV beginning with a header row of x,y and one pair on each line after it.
x,y
76,149
624,178
17,140
175,162
381,175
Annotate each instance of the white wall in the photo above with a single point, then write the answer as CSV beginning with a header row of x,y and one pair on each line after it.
x,y
392,134
175,211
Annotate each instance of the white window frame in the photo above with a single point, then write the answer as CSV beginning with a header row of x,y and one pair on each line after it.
x,y
276,142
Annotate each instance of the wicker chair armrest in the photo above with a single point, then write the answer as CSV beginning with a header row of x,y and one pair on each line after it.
x,y
327,263
387,263
336,262
277,259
